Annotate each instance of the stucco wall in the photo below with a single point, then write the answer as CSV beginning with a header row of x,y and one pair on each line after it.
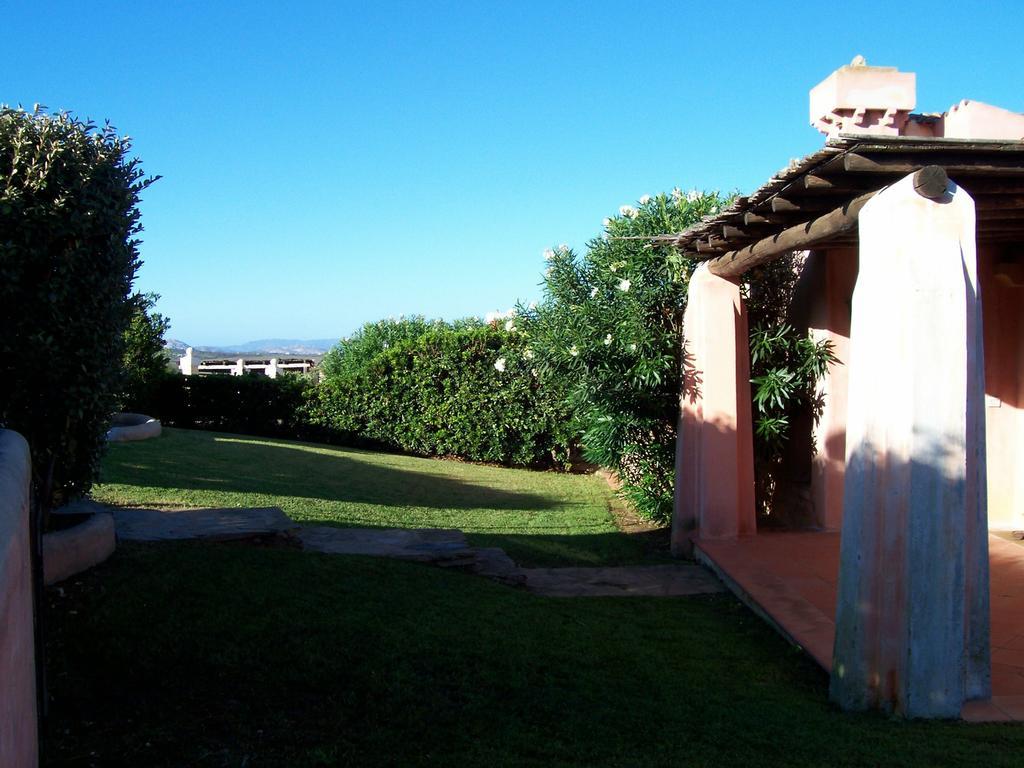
x,y
18,748
1004,379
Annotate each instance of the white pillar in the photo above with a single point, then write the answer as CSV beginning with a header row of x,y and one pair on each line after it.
x,y
272,368
239,367
912,621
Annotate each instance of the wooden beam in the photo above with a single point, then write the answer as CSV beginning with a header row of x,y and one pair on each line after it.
x,y
786,205
930,182
751,219
802,236
1008,164
813,184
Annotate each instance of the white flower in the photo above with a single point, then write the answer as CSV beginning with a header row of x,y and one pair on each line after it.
x,y
510,326
613,266
677,194
606,222
548,271
624,285
499,365
528,354
573,350
490,317
563,248
608,340
632,347
549,255
692,195
629,211
645,200
593,292
713,209
534,372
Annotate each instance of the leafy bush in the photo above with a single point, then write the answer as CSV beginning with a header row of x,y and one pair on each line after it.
x,y
68,255
145,361
610,330
466,389
252,404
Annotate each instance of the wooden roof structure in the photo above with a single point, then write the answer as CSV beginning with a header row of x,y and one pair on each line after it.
x,y
816,201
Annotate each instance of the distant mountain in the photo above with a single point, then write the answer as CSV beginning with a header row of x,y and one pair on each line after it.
x,y
261,347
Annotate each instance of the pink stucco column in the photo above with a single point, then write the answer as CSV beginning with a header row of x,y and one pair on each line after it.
x,y
912,621
714,493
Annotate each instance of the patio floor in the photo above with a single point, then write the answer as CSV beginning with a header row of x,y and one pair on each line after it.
x,y
790,579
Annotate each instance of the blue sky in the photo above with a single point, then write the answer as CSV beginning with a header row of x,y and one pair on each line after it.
x,y
326,164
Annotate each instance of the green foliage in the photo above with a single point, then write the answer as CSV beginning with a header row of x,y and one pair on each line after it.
x,y
144,359
252,404
609,329
68,219
785,369
465,389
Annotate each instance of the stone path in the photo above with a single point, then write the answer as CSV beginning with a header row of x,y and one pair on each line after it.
x,y
211,524
440,547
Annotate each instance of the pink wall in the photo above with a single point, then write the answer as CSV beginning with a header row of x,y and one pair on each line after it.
x,y
1004,419
833,275
830,320
18,748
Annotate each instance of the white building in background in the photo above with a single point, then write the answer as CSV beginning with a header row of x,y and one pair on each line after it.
x,y
271,367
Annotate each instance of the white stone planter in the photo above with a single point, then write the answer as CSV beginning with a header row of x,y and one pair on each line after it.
x,y
133,426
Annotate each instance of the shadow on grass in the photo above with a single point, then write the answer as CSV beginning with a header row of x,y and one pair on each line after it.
x,y
200,461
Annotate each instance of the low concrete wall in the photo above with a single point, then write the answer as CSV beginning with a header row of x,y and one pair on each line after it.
x,y
133,426
18,745
76,549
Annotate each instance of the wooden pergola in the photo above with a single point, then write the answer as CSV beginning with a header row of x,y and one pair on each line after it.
x,y
816,201
904,235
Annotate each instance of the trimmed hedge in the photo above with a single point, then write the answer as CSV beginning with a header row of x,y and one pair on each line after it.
x,y
433,389
69,196
252,404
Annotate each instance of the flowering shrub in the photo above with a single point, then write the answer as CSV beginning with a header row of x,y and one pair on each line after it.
x,y
467,389
610,328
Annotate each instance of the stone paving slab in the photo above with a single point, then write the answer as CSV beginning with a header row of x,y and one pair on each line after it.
x,y
672,580
209,524
439,546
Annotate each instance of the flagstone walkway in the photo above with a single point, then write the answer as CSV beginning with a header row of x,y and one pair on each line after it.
x,y
439,547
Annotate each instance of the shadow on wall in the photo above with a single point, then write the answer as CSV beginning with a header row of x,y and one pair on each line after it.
x,y
210,462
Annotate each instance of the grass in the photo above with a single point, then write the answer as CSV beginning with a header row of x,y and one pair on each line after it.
x,y
539,518
231,655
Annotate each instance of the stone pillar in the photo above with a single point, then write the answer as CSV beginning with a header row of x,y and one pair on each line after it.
x,y
714,493
186,362
272,368
239,367
912,621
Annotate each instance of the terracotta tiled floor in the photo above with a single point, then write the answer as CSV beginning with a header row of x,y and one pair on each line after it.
x,y
790,578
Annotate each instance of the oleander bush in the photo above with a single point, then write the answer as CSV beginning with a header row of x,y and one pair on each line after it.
x,y
467,389
69,219
609,330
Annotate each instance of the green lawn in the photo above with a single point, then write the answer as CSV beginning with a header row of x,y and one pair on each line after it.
x,y
539,518
232,655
